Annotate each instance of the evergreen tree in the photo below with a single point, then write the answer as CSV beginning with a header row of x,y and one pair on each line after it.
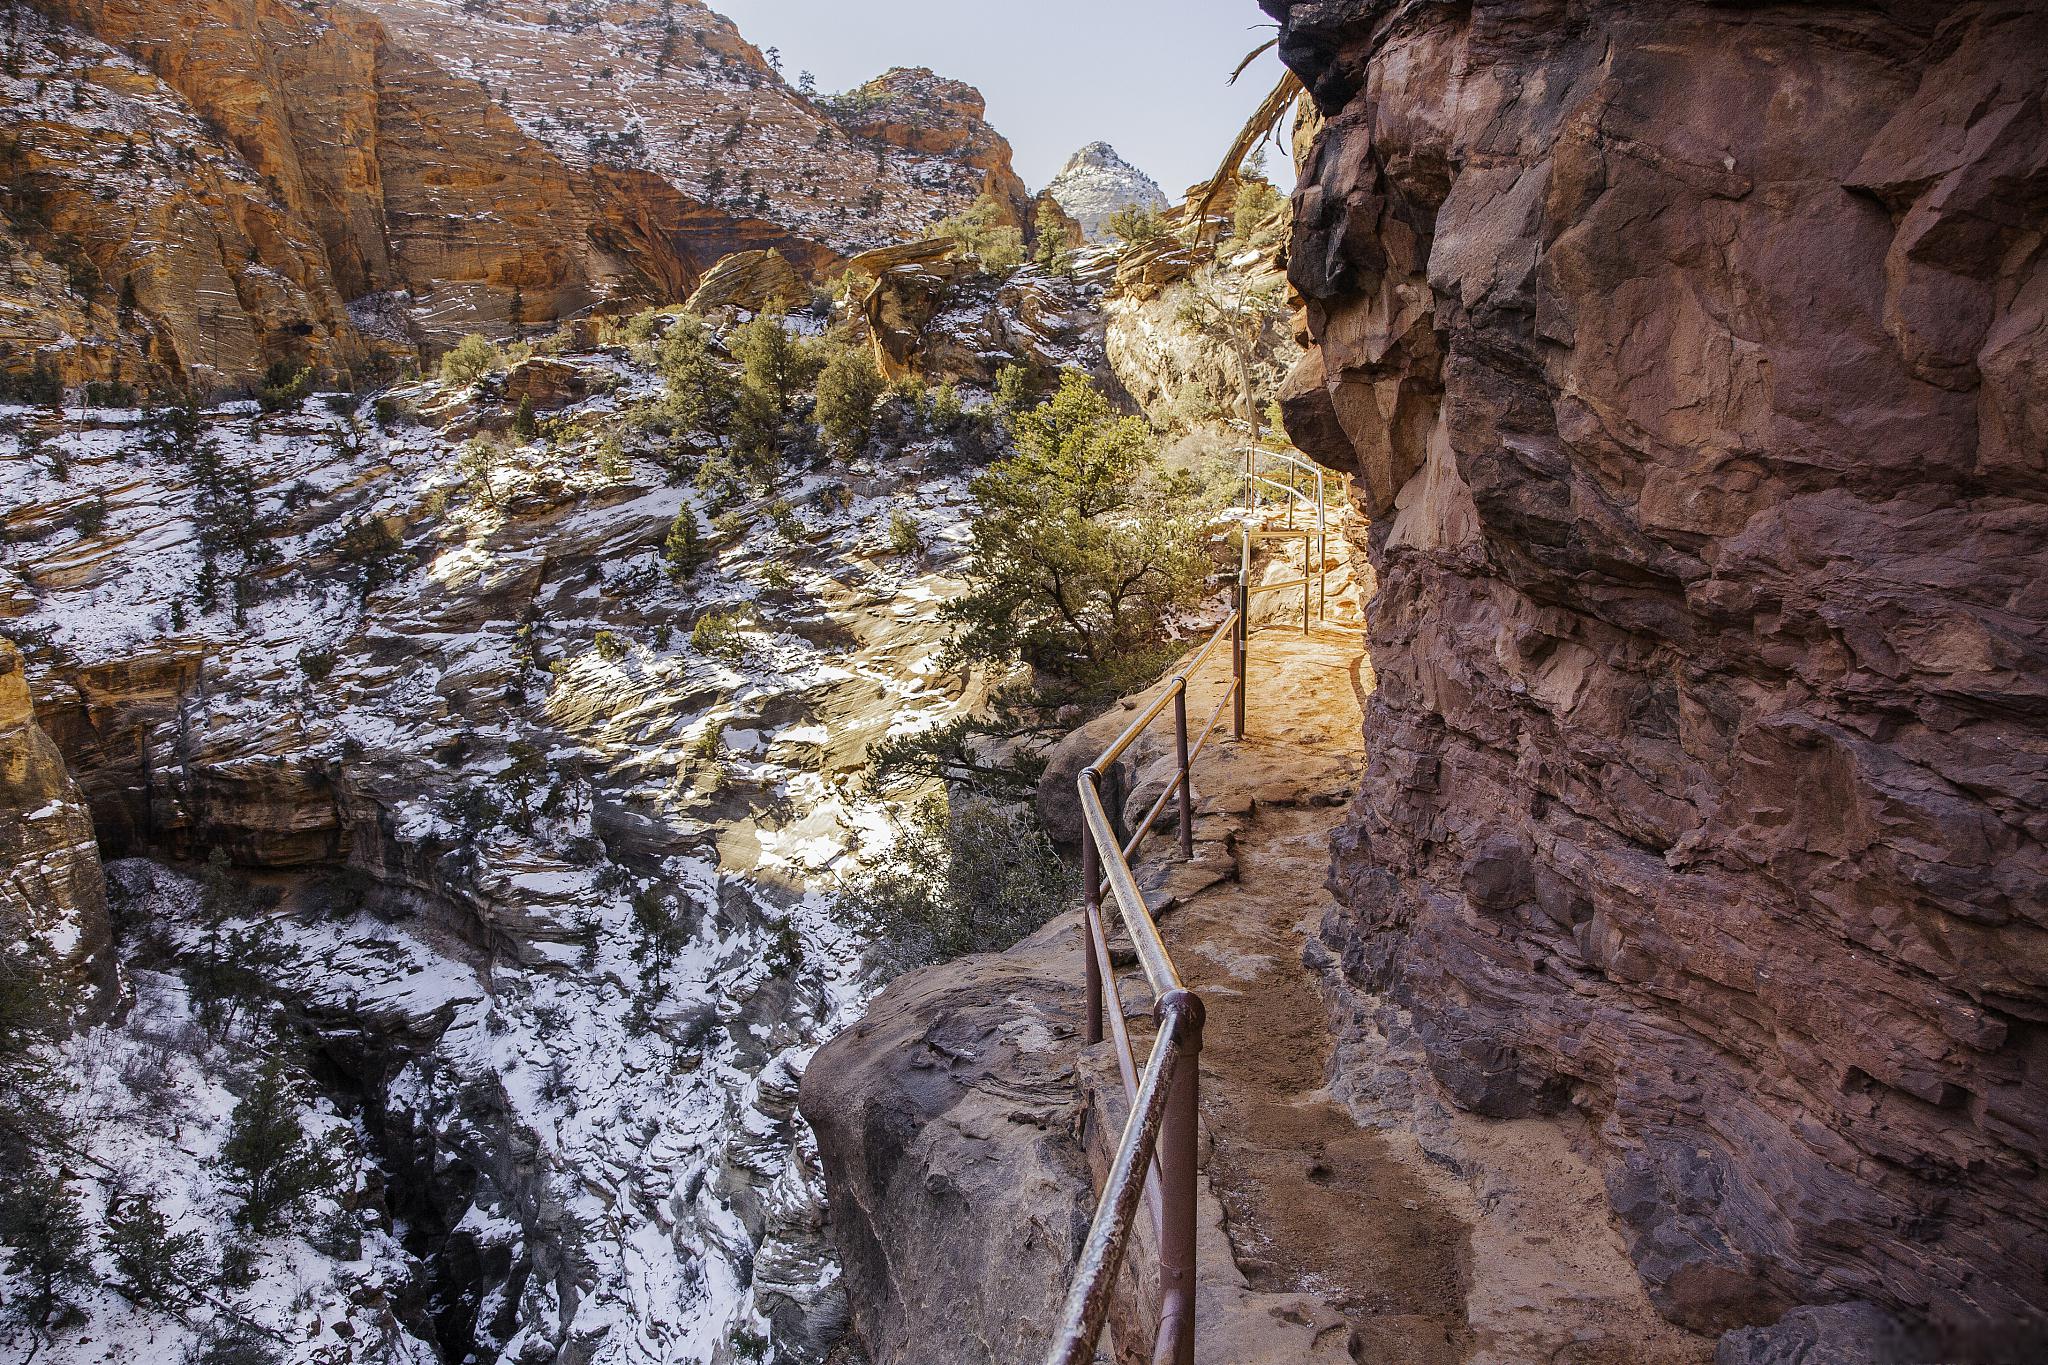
x,y
153,1266
701,392
847,390
1055,254
776,371
268,1162
1082,548
684,549
524,425
45,1233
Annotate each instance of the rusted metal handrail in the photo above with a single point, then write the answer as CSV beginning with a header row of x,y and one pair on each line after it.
x,y
1155,1156
1255,479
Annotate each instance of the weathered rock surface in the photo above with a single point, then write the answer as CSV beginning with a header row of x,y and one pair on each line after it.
x,y
1096,182
345,185
914,109
51,887
1688,360
934,314
949,1125
1184,374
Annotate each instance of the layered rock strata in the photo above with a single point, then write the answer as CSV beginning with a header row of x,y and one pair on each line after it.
x,y
1688,360
52,892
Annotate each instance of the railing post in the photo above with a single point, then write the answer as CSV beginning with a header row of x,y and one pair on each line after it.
x,y
1181,1010
1240,645
1187,781
1091,912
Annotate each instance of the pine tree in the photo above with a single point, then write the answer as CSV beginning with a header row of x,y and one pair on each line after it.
x,y
153,1266
45,1232
524,425
847,391
684,549
268,1162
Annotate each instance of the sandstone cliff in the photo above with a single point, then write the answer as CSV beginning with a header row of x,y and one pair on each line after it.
x,y
1689,360
198,192
674,91
51,889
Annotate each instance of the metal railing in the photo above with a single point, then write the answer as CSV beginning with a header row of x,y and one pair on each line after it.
x,y
1155,1157
1303,490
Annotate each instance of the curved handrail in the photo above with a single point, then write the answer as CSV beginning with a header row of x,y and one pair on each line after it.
x,y
1155,1156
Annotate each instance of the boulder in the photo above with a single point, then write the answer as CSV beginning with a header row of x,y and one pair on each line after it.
x,y
948,1129
751,281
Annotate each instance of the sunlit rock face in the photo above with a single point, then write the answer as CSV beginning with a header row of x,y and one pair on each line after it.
x,y
52,893
200,191
1688,359
1096,182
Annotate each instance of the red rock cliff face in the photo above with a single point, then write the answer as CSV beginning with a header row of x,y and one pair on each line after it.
x,y
1691,360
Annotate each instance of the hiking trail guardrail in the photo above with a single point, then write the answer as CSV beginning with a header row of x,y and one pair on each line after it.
x,y
1156,1155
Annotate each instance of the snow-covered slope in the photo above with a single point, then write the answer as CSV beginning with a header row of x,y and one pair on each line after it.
x,y
558,922
1096,182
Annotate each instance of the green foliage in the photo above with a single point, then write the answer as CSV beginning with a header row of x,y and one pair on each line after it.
x,y
947,753
1136,225
481,457
1082,548
904,536
966,876
39,385
109,393
283,386
469,361
91,519
1055,253
1260,206
611,646
701,392
524,425
235,1345
664,931
44,1231
720,635
847,390
777,372
1016,387
685,549
316,664
154,1266
232,977
267,1160
371,555
981,235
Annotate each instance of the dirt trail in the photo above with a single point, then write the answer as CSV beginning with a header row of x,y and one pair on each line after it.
x,y
1364,1221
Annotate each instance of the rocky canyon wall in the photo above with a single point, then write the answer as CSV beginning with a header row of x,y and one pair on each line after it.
x,y
1689,358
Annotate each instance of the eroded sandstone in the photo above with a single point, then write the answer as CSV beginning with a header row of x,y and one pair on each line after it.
x,y
1687,359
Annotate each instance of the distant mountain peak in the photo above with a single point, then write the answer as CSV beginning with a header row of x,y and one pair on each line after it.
x,y
1097,181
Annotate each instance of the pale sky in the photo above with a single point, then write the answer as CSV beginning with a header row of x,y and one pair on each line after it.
x,y
1146,76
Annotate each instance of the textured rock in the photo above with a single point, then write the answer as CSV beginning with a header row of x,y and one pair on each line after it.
x,y
947,1121
1096,182
921,112
1840,1334
750,280
1688,359
51,887
345,185
937,316
1181,374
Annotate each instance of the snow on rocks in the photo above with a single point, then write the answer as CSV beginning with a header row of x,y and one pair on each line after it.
x,y
558,882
